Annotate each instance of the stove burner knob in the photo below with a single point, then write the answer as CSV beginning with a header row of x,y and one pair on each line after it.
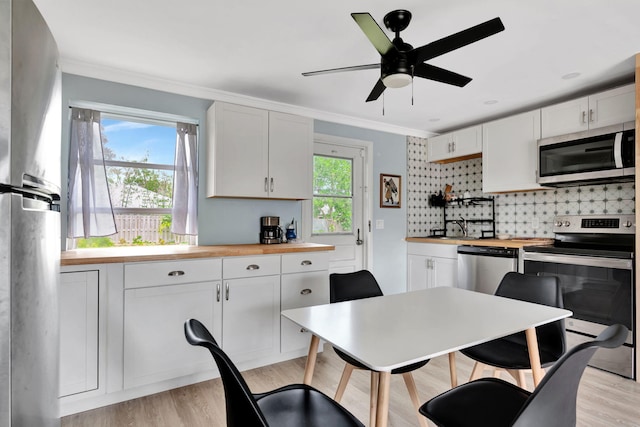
x,y
567,223
628,224
558,223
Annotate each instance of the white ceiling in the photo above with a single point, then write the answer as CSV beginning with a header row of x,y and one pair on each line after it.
x,y
254,51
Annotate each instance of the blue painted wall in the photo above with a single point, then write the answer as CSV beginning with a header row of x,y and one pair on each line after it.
x,y
230,221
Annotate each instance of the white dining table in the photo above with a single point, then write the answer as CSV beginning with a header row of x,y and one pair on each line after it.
x,y
396,330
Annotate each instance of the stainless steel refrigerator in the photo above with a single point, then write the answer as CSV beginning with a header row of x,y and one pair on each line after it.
x,y
30,124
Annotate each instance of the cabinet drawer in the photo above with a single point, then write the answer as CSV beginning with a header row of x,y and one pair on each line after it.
x,y
254,266
145,274
304,289
307,261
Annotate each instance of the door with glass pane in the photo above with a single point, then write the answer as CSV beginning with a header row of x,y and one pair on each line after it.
x,y
337,205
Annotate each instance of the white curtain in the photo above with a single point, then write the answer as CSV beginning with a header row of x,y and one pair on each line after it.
x,y
89,204
185,181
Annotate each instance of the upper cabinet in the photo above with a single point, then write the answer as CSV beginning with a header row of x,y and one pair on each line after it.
x,y
254,153
601,109
509,153
460,143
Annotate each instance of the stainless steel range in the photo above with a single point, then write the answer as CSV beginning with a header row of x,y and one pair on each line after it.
x,y
593,258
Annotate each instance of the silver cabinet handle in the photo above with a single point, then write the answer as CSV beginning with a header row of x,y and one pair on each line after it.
x,y
304,330
591,114
253,267
266,181
226,292
305,291
584,117
272,185
218,292
176,273
306,262
453,146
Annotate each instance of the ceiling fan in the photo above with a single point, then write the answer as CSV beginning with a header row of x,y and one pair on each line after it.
x,y
400,62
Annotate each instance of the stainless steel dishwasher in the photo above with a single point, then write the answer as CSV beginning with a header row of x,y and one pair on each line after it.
x,y
481,268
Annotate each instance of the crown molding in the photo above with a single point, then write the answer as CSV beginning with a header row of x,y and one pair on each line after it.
x,y
71,66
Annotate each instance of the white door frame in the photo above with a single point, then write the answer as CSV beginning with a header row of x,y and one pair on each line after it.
x,y
367,193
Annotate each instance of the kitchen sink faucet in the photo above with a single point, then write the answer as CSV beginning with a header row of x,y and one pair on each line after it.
x,y
462,223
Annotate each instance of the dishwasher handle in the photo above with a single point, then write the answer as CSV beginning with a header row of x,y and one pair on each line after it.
x,y
488,251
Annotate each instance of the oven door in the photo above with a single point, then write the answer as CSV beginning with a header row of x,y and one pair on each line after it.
x,y
599,291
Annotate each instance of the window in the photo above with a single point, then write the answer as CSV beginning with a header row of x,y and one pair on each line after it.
x,y
139,159
332,195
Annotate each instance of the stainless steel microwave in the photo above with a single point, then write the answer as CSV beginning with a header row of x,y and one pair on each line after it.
x,y
598,155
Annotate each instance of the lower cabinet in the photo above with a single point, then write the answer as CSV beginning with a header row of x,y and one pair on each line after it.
x,y
78,299
155,348
430,265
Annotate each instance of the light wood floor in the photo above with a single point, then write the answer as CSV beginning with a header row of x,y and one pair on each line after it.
x,y
604,399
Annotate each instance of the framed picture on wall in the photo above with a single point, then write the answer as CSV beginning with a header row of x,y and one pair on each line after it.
x,y
390,190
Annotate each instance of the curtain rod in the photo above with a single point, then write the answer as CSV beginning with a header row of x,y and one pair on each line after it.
x,y
132,112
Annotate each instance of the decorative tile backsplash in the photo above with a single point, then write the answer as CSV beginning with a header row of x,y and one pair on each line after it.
x,y
523,214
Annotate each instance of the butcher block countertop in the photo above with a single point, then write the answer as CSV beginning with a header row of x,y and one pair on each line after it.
x,y
173,252
497,243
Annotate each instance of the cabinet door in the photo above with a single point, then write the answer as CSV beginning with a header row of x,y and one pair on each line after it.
x,y
290,156
238,156
439,147
154,345
467,141
612,107
418,272
251,317
301,290
509,153
444,272
566,117
78,299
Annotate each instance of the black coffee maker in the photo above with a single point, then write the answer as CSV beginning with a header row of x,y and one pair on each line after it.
x,y
270,231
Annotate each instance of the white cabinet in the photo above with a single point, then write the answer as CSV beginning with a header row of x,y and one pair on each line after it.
x,y
509,153
460,143
251,307
159,297
305,282
78,299
258,153
431,265
606,108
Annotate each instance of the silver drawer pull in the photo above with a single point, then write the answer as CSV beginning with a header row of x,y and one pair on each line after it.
x,y
253,267
305,291
176,273
306,262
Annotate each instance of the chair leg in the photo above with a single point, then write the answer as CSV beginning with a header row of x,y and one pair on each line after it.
x,y
344,379
518,375
373,398
477,371
413,394
497,372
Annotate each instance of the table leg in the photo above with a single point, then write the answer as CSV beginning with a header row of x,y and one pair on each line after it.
x,y
383,399
452,370
311,360
534,356
373,399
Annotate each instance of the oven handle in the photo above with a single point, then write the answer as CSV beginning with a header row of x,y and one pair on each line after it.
x,y
619,264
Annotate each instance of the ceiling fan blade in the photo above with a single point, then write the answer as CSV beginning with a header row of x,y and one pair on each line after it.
x,y
373,32
377,91
339,70
458,40
438,74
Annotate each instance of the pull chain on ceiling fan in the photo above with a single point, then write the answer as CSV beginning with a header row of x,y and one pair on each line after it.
x,y
400,62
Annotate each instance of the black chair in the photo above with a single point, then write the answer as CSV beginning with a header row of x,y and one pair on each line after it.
x,y
293,405
496,403
511,352
358,285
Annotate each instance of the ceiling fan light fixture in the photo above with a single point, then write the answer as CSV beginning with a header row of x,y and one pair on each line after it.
x,y
396,80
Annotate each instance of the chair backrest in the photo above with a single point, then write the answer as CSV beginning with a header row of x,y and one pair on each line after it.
x,y
542,290
553,402
351,286
242,409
